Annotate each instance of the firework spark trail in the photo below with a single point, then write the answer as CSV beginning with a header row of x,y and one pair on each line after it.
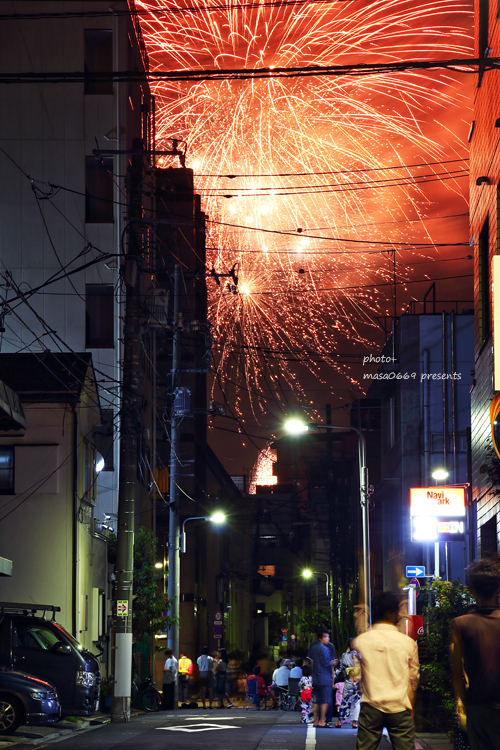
x,y
279,126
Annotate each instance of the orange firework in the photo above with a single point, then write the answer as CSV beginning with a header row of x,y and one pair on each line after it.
x,y
294,173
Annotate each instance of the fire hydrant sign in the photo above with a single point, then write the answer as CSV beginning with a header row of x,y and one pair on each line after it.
x,y
122,608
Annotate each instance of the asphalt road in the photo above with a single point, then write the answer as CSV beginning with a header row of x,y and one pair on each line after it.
x,y
234,729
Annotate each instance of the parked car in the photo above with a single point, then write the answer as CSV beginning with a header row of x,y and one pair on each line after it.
x,y
26,700
44,649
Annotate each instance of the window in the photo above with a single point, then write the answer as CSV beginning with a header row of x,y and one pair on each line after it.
x,y
99,316
98,58
36,637
7,471
484,283
99,190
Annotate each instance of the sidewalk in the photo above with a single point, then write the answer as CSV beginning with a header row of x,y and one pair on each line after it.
x,y
36,736
432,741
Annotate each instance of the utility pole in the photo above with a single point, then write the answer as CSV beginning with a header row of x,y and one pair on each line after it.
x,y
130,412
174,519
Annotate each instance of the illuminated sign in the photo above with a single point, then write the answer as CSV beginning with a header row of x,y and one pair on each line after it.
x,y
437,514
440,502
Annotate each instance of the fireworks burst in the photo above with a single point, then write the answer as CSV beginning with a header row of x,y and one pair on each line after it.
x,y
306,160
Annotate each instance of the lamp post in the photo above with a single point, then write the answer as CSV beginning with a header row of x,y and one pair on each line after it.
x,y
439,475
217,518
297,427
307,573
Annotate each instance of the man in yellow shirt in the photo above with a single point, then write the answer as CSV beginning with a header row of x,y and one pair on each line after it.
x,y
389,678
185,672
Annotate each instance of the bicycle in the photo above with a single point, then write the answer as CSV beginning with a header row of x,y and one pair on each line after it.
x,y
146,696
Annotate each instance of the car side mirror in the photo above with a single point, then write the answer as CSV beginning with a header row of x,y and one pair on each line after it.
x,y
61,648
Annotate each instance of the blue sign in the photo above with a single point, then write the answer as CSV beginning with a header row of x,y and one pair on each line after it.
x,y
415,571
284,638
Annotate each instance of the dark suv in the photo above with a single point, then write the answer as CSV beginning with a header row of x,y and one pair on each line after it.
x,y
26,700
44,649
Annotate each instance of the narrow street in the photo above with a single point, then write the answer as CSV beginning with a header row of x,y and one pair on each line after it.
x,y
244,730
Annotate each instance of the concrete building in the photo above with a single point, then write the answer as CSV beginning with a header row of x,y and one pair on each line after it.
x,y
48,492
422,391
485,236
63,208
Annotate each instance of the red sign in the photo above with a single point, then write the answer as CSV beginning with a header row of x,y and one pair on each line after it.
x,y
416,583
415,626
284,631
218,616
217,630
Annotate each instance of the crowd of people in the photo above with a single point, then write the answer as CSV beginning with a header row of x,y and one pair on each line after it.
x,y
373,684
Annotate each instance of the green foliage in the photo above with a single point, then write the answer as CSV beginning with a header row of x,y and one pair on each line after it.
x,y
443,601
312,619
148,598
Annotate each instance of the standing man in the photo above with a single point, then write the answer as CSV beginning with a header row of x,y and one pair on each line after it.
x,y
169,680
185,672
323,660
476,648
389,678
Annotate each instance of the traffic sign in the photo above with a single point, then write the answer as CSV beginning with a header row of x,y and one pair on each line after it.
x,y
122,608
416,583
217,630
218,616
415,571
284,631
284,638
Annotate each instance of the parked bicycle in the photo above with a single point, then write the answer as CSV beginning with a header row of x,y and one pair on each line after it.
x,y
145,695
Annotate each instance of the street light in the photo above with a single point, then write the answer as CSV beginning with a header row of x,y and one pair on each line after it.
x,y
440,474
296,427
307,573
217,518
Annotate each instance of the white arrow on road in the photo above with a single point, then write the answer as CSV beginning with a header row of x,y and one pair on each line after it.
x,y
198,728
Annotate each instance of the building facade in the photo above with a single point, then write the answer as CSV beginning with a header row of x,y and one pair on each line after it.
x,y
485,237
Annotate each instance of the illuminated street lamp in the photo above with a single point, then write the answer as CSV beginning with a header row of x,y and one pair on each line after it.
x,y
440,474
297,427
217,518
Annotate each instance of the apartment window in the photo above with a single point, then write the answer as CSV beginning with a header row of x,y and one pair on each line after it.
x,y
7,471
484,283
98,58
99,316
99,190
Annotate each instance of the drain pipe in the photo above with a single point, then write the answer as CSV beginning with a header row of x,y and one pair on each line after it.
x,y
74,564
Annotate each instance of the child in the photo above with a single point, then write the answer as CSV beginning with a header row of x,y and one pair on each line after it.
x,y
305,686
261,686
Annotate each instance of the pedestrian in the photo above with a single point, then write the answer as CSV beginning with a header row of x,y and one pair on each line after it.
x,y
280,681
329,710
261,690
351,694
205,665
296,670
389,678
185,672
169,680
306,703
476,654
221,678
323,660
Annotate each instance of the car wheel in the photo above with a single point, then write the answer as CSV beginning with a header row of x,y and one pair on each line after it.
x,y
11,714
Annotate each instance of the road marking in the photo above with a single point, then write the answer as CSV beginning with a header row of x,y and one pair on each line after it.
x,y
198,728
204,718
311,737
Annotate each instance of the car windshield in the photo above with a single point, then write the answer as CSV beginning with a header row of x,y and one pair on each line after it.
x,y
70,638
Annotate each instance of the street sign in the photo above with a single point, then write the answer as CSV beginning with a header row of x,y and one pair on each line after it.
x,y
218,616
415,582
284,638
217,622
415,571
217,630
284,631
122,608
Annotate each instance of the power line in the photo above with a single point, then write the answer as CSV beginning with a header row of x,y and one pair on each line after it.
x,y
458,65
